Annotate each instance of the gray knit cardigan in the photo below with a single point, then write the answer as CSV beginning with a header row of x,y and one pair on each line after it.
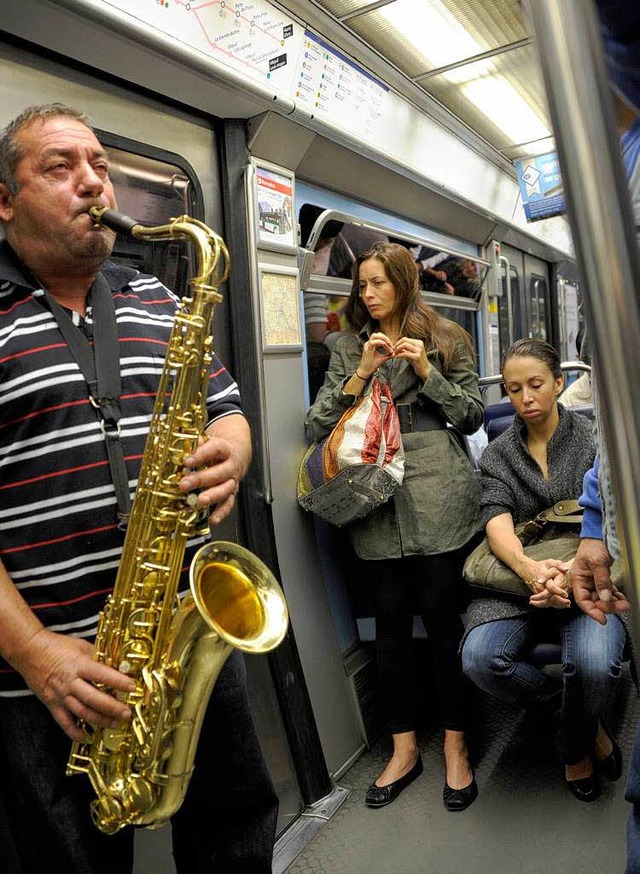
x,y
512,482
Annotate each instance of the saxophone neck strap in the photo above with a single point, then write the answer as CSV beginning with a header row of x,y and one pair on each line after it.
x,y
100,366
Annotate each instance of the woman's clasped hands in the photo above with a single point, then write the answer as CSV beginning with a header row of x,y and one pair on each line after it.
x,y
379,349
549,580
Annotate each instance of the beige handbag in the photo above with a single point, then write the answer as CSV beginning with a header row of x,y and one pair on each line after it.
x,y
554,533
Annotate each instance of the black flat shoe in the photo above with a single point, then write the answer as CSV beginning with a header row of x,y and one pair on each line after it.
x,y
586,789
380,796
611,767
459,799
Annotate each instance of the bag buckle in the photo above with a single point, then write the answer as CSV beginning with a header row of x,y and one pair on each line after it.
x,y
405,417
532,529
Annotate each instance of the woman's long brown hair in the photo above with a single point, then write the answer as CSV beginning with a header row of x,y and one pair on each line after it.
x,y
417,319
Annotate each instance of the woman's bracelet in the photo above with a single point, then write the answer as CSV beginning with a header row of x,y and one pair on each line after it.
x,y
363,378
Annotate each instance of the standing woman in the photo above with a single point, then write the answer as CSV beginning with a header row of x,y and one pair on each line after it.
x,y
413,547
540,460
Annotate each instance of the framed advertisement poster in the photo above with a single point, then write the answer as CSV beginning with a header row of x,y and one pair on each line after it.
x,y
277,228
280,308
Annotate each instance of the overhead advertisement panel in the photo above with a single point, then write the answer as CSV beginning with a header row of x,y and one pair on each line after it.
x,y
541,186
252,37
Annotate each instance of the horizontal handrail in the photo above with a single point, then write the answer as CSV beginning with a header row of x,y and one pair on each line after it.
x,y
497,379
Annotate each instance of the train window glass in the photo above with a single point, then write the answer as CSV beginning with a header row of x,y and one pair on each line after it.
x,y
152,191
519,316
464,317
504,307
538,298
336,240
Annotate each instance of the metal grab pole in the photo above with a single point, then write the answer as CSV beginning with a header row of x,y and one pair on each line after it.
x,y
581,104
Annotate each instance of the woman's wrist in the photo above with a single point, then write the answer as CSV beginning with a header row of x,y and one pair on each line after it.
x,y
363,378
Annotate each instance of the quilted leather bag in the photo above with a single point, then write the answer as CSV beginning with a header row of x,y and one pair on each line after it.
x,y
359,465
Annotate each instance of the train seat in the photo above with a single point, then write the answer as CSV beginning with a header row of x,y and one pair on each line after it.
x,y
498,411
498,424
367,629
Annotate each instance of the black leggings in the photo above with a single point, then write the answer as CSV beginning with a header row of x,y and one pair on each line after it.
x,y
430,586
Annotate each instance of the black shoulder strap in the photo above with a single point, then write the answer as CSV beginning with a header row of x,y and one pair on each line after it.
x,y
100,367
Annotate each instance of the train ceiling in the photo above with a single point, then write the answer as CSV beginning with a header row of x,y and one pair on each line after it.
x,y
478,60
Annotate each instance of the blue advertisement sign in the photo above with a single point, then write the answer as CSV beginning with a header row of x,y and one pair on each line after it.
x,y
541,186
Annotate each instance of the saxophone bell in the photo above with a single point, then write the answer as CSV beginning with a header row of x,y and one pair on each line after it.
x,y
238,597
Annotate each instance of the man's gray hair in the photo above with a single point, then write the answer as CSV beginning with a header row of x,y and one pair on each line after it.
x,y
11,152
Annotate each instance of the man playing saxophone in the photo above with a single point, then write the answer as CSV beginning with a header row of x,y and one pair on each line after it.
x,y
61,501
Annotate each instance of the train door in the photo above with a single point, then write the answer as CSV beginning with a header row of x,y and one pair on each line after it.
x,y
165,161
524,306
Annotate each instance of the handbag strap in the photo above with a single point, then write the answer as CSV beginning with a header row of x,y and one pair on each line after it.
x,y
569,512
100,366
562,512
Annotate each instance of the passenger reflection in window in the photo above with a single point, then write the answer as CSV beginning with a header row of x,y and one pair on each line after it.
x,y
351,242
317,317
432,275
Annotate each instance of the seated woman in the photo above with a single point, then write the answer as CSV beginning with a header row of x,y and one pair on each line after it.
x,y
540,460
413,547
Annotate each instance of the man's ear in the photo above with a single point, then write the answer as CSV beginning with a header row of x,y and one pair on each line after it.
x,y
6,203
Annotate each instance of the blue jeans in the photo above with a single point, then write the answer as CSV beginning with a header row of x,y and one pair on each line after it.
x,y
496,657
227,821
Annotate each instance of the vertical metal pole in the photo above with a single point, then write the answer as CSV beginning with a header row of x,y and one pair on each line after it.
x,y
581,105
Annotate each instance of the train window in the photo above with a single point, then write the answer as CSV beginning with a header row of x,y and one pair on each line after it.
x,y
538,295
336,240
332,240
519,319
153,190
505,306
465,317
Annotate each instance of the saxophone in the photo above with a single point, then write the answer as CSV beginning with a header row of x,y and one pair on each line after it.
x,y
173,648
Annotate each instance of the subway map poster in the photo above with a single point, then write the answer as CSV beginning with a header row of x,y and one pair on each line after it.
x,y
251,36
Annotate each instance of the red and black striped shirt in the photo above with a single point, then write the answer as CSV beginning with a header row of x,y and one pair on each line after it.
x,y
59,539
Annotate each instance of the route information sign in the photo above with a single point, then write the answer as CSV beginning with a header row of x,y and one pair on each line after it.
x,y
332,87
261,42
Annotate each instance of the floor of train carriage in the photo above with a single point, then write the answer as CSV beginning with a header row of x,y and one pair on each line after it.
x,y
525,821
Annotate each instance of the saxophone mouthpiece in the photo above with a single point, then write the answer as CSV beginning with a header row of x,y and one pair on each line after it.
x,y
103,217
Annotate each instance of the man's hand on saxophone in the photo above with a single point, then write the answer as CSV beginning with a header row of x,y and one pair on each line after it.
x,y
219,463
58,668
63,674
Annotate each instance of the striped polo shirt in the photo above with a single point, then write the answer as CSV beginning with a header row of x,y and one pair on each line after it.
x,y
59,538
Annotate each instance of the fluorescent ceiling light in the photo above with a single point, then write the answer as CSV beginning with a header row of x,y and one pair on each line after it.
x,y
435,34
432,30
500,102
